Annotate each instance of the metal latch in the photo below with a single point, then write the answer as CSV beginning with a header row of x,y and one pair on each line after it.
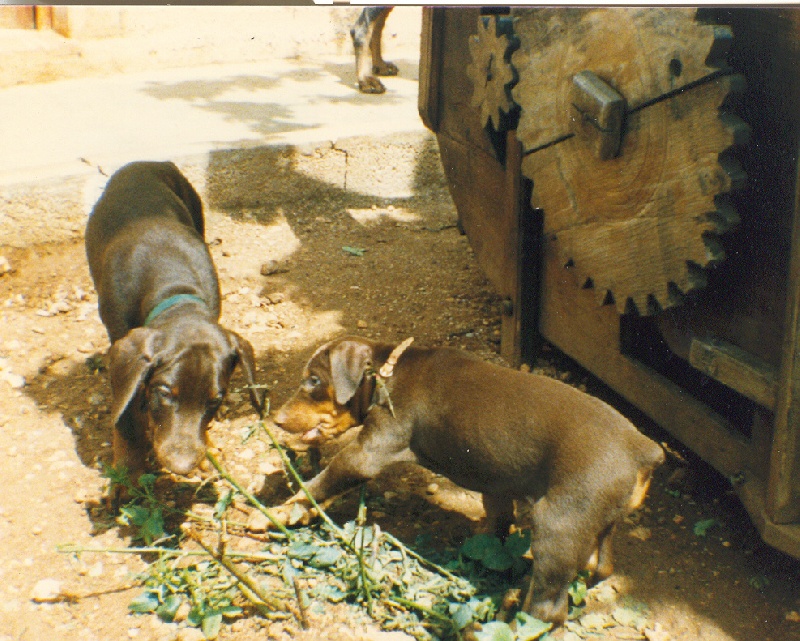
x,y
598,114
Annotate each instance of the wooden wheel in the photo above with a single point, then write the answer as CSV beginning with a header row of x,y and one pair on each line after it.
x,y
625,142
490,70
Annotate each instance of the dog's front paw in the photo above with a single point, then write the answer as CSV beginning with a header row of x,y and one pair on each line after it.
x,y
287,515
371,84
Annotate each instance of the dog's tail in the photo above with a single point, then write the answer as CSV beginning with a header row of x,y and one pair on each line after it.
x,y
650,458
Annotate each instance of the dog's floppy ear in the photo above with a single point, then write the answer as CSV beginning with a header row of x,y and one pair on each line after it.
x,y
130,360
246,356
349,360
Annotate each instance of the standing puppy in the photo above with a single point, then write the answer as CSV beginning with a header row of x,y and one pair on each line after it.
x,y
170,361
507,434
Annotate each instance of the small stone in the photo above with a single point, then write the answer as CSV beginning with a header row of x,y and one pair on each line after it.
x,y
267,468
46,591
182,613
5,266
16,381
96,570
793,616
432,488
59,307
362,324
272,267
656,633
257,523
190,634
133,633
641,533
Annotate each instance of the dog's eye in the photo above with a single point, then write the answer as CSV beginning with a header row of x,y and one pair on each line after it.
x,y
215,403
312,382
160,395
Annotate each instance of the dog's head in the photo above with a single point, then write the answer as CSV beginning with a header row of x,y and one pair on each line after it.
x,y
333,395
167,387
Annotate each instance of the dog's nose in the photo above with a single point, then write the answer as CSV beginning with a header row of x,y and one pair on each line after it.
x,y
181,461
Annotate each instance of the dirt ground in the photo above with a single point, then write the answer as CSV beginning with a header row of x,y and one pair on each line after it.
x,y
416,277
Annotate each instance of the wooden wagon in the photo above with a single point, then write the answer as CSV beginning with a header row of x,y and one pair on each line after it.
x,y
628,181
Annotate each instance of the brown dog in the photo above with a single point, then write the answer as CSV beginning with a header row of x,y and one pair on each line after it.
x,y
507,434
158,294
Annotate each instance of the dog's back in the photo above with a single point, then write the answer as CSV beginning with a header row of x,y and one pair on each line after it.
x,y
522,427
145,242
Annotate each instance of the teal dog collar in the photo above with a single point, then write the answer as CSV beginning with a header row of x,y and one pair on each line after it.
x,y
170,302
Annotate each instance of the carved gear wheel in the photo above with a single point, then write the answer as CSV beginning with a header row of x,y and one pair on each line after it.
x,y
636,216
491,72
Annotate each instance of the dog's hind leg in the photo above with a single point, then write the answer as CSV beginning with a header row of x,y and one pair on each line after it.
x,y
366,34
380,67
499,514
559,533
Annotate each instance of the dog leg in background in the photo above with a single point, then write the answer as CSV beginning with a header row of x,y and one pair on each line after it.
x,y
367,34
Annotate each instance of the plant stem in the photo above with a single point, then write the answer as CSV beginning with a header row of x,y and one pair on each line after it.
x,y
263,600
413,605
252,499
298,479
395,542
254,556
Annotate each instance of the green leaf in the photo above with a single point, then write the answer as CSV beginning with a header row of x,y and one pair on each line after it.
x,y
497,559
463,615
332,593
223,504
133,515
353,251
476,547
530,628
195,617
166,611
212,622
326,557
518,544
145,602
577,591
153,528
702,527
303,551
231,611
495,631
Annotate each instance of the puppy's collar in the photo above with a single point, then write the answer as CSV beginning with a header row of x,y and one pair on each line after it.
x,y
387,369
380,395
165,304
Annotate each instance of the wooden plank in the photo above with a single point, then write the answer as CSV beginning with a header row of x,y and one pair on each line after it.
x,y
430,66
478,188
784,537
732,366
573,322
783,494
